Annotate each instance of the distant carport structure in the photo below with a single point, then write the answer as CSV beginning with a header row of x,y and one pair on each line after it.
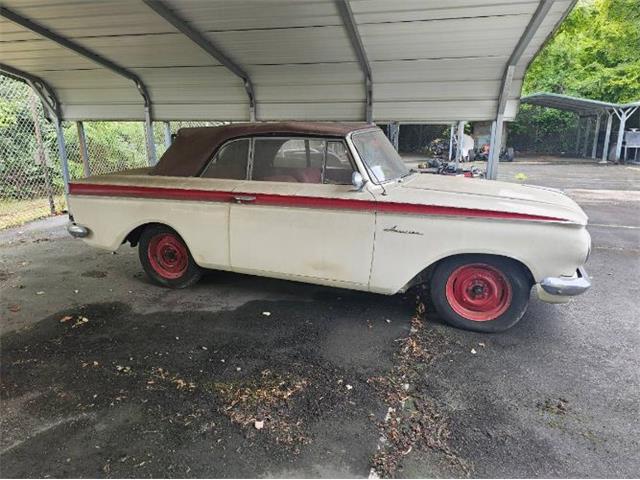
x,y
589,110
382,61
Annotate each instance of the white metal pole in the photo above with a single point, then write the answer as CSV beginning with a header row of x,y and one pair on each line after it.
x,y
623,120
596,135
607,138
460,142
148,131
495,147
394,134
84,151
62,150
451,134
167,134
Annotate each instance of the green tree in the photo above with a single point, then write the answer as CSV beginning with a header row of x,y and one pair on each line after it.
x,y
595,54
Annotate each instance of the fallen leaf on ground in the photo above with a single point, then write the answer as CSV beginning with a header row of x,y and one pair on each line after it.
x,y
66,318
80,321
15,308
259,424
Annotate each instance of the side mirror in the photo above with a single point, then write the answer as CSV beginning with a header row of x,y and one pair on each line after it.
x,y
358,181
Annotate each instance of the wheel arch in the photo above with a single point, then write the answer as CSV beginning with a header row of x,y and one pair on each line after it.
x,y
424,275
133,237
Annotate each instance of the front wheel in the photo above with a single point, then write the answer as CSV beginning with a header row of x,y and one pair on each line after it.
x,y
480,292
166,258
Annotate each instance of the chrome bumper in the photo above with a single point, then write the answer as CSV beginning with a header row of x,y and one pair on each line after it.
x,y
77,231
567,287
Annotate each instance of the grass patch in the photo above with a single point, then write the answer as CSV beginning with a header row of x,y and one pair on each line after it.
x,y
14,213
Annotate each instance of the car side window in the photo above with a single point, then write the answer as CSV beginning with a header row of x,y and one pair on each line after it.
x,y
338,168
230,161
294,160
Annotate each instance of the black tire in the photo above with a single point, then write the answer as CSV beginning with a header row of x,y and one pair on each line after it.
x,y
502,284
166,258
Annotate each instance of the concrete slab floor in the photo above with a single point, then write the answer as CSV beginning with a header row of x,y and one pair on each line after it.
x,y
169,383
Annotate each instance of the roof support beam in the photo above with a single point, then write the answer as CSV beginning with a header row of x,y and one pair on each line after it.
x,y
94,57
79,49
344,8
52,108
208,46
507,79
44,91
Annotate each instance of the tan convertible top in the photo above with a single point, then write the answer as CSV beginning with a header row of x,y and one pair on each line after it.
x,y
193,147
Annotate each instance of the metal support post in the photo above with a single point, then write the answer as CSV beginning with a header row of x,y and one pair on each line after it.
x,y
578,137
622,116
460,142
62,150
148,131
587,130
167,134
507,79
84,152
394,134
607,138
451,135
596,135
495,147
42,158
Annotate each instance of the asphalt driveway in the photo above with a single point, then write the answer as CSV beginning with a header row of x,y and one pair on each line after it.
x,y
106,375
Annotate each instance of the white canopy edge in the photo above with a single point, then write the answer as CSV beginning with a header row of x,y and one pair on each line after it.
x,y
580,106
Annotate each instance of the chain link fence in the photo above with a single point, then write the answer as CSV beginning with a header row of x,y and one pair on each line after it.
x,y
30,180
31,185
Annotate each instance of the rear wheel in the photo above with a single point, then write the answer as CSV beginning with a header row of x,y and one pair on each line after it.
x,y
480,292
166,258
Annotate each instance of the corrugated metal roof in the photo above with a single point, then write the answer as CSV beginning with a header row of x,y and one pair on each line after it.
x,y
431,61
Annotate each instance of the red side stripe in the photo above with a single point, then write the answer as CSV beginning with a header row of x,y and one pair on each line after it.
x,y
296,201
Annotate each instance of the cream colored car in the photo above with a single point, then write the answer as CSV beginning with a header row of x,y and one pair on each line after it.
x,y
334,204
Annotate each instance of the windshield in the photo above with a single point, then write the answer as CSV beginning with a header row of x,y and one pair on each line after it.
x,y
381,159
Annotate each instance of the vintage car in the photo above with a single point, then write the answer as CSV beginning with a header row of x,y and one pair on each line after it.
x,y
334,204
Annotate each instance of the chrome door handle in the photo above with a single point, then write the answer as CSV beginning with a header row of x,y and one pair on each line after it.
x,y
244,198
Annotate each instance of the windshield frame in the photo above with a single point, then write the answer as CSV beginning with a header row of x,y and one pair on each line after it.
x,y
366,167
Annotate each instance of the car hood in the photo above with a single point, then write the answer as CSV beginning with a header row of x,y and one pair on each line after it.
x,y
476,193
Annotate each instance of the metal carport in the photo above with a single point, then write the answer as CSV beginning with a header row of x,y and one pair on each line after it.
x,y
386,61
589,109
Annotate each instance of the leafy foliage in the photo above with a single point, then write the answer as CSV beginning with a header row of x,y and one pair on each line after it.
x,y
595,54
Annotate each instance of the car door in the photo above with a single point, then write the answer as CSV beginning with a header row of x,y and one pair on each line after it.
x,y
208,232
299,217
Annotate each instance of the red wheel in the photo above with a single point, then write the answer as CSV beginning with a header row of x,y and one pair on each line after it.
x,y
166,258
478,292
168,255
